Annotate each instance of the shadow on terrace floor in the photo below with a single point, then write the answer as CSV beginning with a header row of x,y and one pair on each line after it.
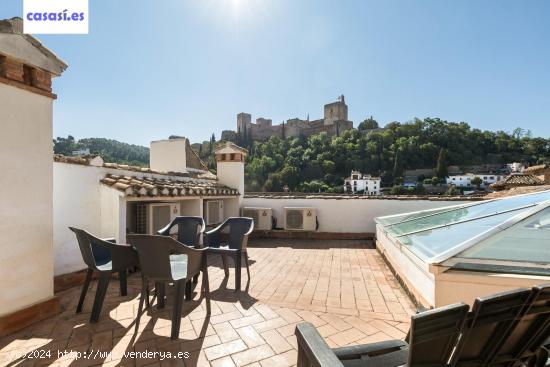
x,y
347,290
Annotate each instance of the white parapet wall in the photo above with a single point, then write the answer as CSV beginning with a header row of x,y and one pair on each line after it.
x,y
77,203
344,214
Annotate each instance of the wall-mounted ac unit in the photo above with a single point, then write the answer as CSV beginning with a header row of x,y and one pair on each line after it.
x,y
151,217
262,217
213,212
300,219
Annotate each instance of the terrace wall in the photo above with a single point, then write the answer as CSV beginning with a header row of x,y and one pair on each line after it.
x,y
344,214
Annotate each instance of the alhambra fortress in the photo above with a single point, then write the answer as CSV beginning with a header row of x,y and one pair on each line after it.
x,y
334,122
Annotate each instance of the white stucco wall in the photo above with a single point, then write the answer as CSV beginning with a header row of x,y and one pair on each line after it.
x,y
26,256
112,214
81,201
345,215
413,272
168,155
76,204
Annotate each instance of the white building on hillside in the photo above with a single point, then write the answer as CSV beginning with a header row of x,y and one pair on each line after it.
x,y
465,179
359,183
516,167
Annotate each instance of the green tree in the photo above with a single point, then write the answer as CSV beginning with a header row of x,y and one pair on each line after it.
x,y
477,181
110,150
441,169
452,191
368,124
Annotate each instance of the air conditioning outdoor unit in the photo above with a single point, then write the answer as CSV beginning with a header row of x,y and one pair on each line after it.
x,y
213,212
151,217
300,219
262,217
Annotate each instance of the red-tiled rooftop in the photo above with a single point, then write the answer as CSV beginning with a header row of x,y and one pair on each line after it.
x,y
343,287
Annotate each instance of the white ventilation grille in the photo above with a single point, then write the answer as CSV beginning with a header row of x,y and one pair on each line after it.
x,y
295,219
300,219
252,213
214,212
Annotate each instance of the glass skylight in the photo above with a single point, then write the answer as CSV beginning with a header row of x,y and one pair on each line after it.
x,y
436,235
528,240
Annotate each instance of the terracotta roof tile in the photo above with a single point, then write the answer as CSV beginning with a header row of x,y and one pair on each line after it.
x,y
517,179
137,186
537,170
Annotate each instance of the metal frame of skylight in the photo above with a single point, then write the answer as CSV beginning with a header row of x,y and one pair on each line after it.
x,y
429,211
465,220
450,209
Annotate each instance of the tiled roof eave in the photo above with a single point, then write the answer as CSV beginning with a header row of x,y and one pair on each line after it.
x,y
133,186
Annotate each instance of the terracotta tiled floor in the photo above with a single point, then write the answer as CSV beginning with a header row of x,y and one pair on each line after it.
x,y
343,287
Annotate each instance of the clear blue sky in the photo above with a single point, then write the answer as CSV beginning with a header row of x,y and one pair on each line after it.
x,y
149,69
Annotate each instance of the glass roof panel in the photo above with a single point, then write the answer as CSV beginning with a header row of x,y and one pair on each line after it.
x,y
393,219
430,243
450,216
528,240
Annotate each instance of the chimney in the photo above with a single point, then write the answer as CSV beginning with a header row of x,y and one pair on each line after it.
x,y
168,155
230,160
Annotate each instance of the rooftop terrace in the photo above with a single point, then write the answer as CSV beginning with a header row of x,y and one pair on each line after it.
x,y
343,287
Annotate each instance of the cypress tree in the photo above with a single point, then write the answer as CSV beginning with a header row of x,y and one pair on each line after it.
x,y
441,169
398,165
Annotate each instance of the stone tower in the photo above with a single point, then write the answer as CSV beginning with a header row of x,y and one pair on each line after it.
x,y
244,122
336,111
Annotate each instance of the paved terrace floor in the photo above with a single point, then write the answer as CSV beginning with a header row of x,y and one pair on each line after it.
x,y
343,287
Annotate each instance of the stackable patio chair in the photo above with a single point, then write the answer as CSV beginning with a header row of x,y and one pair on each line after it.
x,y
508,329
430,341
165,260
236,247
488,325
190,230
189,233
105,257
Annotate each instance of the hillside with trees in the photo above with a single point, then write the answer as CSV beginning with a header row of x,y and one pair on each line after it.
x,y
109,149
321,163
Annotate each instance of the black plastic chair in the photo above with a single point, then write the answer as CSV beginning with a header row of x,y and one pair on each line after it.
x,y
189,233
507,329
105,257
190,230
236,246
488,326
165,260
431,339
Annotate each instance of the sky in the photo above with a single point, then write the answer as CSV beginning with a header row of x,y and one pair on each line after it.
x,y
150,69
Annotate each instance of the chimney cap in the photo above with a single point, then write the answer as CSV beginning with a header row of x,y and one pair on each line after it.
x,y
229,147
26,48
